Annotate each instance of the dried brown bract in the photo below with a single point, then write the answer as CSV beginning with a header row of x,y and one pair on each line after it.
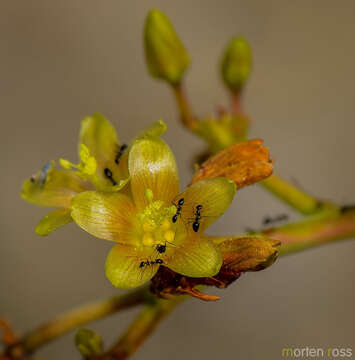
x,y
245,163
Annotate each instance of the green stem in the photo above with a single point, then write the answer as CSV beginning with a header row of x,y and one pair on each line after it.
x,y
144,324
80,316
316,230
187,118
291,195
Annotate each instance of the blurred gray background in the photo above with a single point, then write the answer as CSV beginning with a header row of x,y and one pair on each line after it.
x,y
62,60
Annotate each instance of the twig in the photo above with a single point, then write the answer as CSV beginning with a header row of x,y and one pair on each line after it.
x,y
144,324
291,195
80,316
314,231
186,115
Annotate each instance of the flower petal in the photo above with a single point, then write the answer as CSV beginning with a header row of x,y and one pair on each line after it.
x,y
214,195
53,221
52,187
100,137
123,267
109,216
152,166
196,258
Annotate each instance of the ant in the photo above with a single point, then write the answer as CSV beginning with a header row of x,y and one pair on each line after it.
x,y
108,174
147,263
178,210
270,220
161,248
122,149
196,223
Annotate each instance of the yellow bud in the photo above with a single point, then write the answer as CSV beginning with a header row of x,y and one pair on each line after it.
x,y
236,64
166,56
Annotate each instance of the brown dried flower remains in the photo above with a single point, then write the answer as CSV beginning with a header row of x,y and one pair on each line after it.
x,y
245,163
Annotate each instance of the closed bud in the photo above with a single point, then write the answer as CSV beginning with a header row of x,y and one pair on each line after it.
x,y
236,64
165,54
88,342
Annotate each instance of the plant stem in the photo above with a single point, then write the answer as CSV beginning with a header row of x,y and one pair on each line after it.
x,y
317,230
291,195
80,316
144,324
186,116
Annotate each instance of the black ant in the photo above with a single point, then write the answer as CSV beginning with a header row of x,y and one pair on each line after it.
x,y
269,220
108,174
196,223
147,263
122,149
161,248
178,210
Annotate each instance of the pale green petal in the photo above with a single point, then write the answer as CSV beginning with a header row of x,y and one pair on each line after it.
x,y
109,216
195,258
152,166
123,267
53,221
52,187
100,137
215,195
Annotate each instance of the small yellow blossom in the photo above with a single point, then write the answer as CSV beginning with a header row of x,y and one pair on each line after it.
x,y
155,225
103,166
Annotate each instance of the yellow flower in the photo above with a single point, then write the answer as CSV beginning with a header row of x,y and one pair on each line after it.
x,y
103,166
155,225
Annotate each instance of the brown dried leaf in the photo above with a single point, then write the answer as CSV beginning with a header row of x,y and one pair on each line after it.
x,y
245,163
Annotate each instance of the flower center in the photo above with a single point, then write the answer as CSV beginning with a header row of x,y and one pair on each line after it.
x,y
155,219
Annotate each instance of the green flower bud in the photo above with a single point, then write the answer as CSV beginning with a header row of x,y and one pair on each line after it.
x,y
88,342
236,64
165,54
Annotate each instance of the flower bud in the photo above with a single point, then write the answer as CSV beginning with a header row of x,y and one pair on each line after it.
x,y
236,64
166,56
88,342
